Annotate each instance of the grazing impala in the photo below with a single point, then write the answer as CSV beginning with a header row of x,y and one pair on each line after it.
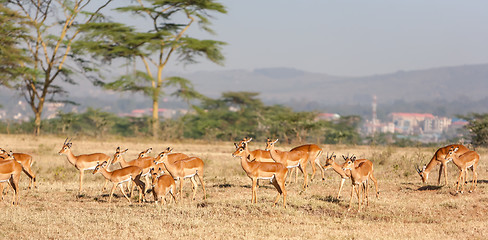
x,y
359,176
119,176
290,159
82,162
439,158
464,161
330,163
26,161
273,171
162,185
10,172
185,168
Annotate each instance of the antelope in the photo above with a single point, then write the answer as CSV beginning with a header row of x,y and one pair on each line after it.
x,y
314,152
258,154
185,168
10,171
359,176
26,161
119,176
289,159
330,163
83,162
464,161
273,171
162,185
439,158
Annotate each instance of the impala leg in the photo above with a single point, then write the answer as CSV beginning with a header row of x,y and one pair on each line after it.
x,y
141,186
181,189
322,172
475,179
445,172
27,170
313,170
350,200
195,185
375,184
459,180
172,195
112,192
358,193
278,188
105,185
340,187
281,184
203,186
464,179
291,174
81,181
305,175
253,189
440,174
14,183
2,186
123,192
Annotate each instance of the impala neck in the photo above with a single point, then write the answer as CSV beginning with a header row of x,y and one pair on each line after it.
x,y
105,173
169,166
122,162
433,162
71,157
245,163
338,169
276,156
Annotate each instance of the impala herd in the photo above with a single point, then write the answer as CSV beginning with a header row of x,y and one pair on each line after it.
x,y
269,164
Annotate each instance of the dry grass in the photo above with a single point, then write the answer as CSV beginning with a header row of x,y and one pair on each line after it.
x,y
406,209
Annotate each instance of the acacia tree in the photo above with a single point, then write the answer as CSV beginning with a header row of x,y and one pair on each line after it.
x,y
52,26
154,44
12,56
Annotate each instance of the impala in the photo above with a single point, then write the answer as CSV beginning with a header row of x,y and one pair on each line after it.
x,y
314,152
83,162
439,158
359,176
330,163
119,176
26,161
273,171
10,172
185,168
162,185
258,154
289,159
464,161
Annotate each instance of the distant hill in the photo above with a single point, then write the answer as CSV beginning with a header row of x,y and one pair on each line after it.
x,y
429,90
282,84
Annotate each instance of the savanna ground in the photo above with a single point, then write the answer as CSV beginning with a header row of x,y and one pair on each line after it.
x,y
406,209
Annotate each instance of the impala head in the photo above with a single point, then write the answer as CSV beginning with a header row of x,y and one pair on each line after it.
x,y
144,153
349,162
451,152
66,146
423,175
239,152
155,173
329,160
243,142
270,144
163,156
118,155
99,166
7,155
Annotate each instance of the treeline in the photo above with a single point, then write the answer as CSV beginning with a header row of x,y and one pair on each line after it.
x,y
231,117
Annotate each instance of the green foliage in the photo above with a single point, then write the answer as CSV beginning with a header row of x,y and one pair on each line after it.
x,y
478,128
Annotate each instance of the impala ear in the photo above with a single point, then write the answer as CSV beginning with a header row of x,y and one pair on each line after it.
x,y
124,151
275,141
118,149
248,140
455,149
235,144
345,158
149,150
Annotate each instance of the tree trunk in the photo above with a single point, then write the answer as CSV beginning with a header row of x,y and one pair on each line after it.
x,y
37,123
155,119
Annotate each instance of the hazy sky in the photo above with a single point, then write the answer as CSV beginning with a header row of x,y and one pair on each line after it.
x,y
350,38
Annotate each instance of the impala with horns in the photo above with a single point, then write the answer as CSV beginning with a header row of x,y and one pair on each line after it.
x,y
346,174
10,171
359,179
273,171
185,168
258,154
26,161
83,162
464,161
439,158
289,159
119,176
